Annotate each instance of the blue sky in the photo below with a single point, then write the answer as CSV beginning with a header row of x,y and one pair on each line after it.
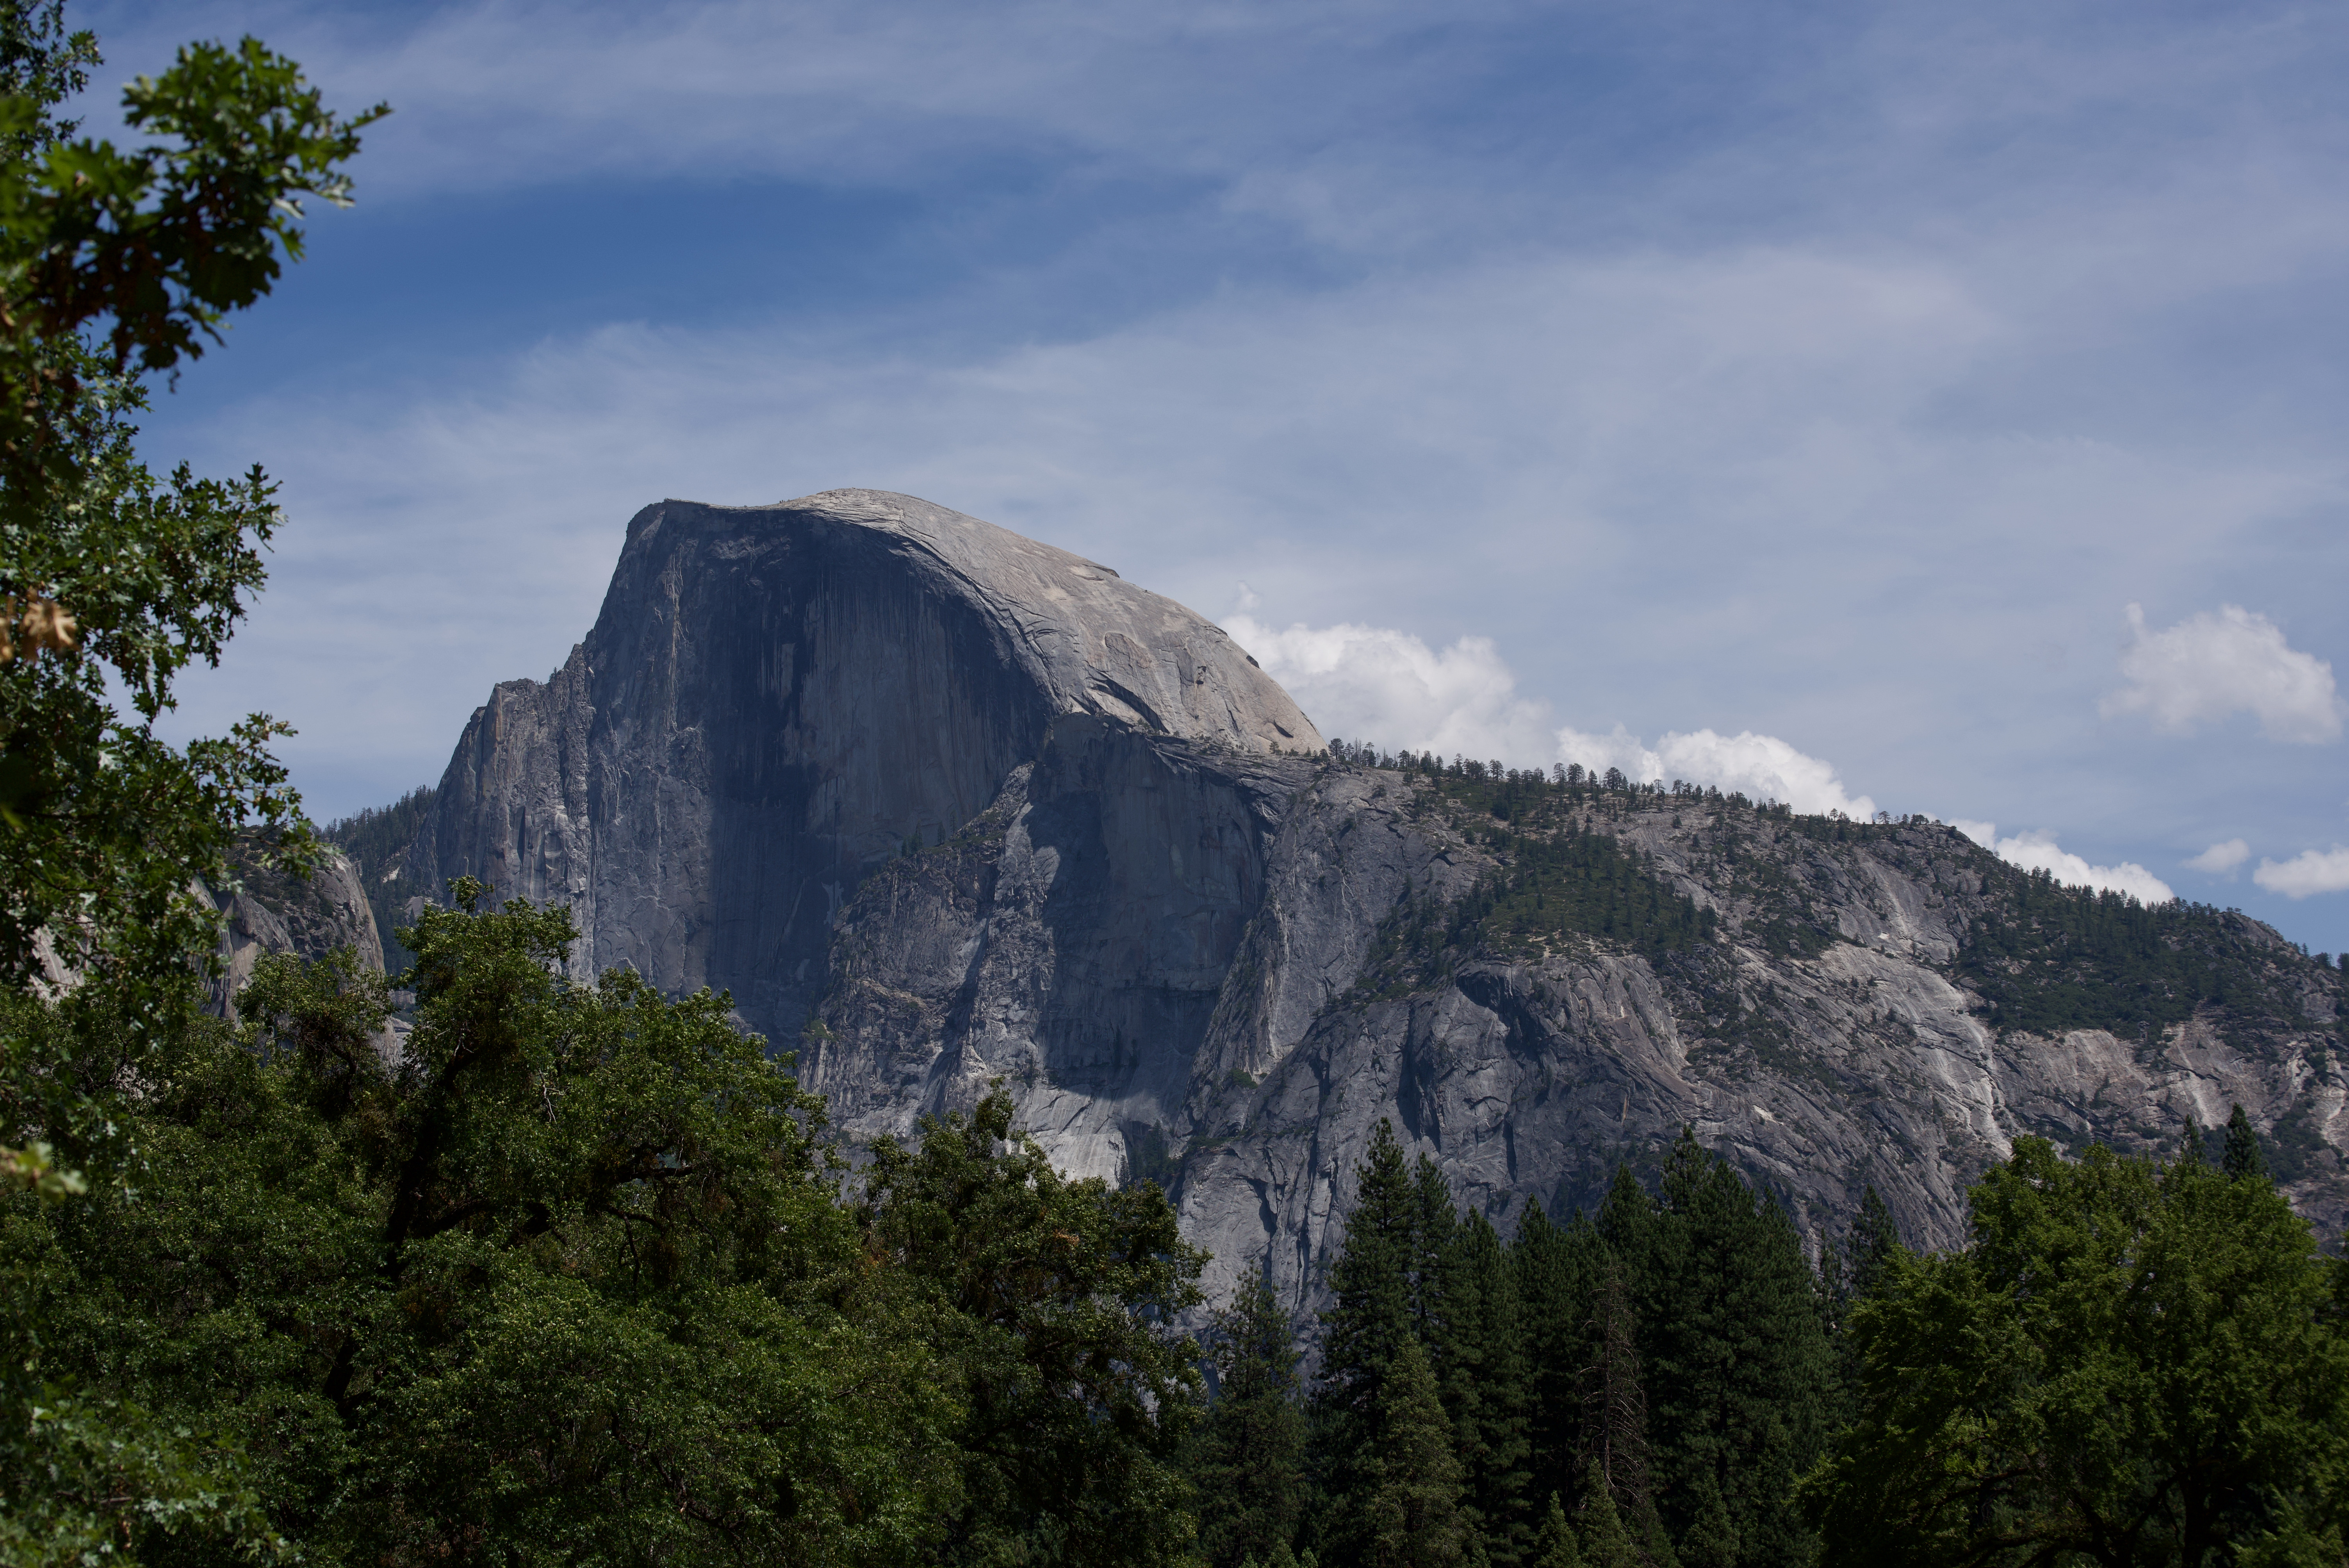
x,y
1833,377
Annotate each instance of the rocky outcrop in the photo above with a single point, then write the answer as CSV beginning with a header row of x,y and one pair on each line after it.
x,y
777,699
940,806
271,912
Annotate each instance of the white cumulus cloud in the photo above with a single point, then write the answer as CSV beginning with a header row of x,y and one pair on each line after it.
x,y
1762,767
2308,872
2038,851
2209,667
2221,860
1387,687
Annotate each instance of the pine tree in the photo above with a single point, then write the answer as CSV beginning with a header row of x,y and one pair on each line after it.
x,y
2243,1156
1875,1237
1408,1514
1850,1275
1375,1281
1435,1261
1606,1544
1554,1544
1739,1374
1484,1389
1249,1459
1614,1423
1555,1268
1373,1278
1711,1540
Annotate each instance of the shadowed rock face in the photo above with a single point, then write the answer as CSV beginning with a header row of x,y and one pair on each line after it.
x,y
777,699
975,808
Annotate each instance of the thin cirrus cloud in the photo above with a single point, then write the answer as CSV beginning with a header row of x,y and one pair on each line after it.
x,y
2307,874
1776,385
2210,667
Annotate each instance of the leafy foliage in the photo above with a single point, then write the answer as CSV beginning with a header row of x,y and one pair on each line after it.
x,y
1047,1306
570,1281
107,574
2132,1362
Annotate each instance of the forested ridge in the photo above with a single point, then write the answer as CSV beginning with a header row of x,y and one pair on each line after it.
x,y
1570,859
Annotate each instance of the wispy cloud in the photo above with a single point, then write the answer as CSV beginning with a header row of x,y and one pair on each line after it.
x,y
2211,667
1750,379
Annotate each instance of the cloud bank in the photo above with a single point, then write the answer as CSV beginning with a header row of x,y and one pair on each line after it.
x,y
1760,767
2210,667
1387,687
2038,851
2307,874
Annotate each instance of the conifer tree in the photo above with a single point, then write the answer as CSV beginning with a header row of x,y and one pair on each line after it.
x,y
1484,1389
1408,1514
1373,1277
1435,1260
1555,1267
1606,1544
1554,1544
1614,1405
1248,1465
1711,1540
2243,1155
1875,1238
1739,1376
1372,1320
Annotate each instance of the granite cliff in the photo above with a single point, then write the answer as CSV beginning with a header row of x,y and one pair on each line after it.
x,y
940,805
774,700
267,910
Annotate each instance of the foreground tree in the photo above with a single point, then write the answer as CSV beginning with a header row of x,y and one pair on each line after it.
x,y
571,1282
2129,1364
1048,1306
115,265
1247,1464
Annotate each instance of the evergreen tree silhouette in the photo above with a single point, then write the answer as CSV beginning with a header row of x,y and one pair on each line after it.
x,y
2243,1155
1249,1461
1409,1512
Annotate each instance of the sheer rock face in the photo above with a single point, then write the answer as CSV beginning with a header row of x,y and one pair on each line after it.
x,y
972,808
777,699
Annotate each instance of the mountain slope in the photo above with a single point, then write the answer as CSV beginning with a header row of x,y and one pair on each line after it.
x,y
939,806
